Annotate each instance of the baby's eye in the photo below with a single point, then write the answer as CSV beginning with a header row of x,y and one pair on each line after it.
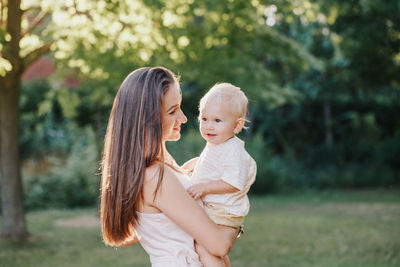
x,y
217,120
204,119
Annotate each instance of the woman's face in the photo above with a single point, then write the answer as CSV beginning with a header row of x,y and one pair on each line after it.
x,y
172,115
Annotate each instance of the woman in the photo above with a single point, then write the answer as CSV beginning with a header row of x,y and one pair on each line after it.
x,y
143,197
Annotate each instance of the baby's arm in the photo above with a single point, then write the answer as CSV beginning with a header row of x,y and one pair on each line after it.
x,y
199,190
189,165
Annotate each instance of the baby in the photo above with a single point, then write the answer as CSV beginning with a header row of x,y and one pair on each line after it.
x,y
224,172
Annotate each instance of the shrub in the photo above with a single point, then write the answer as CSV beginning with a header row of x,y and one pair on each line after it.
x,y
70,182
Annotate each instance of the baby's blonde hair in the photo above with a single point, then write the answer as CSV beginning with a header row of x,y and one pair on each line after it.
x,y
234,98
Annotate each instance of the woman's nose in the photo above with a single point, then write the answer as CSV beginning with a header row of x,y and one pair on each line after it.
x,y
182,118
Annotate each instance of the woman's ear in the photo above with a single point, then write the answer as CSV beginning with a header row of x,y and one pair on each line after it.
x,y
239,125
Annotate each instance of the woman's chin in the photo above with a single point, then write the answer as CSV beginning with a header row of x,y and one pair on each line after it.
x,y
174,137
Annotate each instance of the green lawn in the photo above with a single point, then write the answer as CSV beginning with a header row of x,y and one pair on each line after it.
x,y
324,229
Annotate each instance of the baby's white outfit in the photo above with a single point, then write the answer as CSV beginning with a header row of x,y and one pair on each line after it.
x,y
230,163
166,243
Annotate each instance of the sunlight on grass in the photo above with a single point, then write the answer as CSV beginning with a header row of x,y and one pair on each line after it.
x,y
351,229
52,245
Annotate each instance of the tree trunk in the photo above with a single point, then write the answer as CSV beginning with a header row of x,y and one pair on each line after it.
x,y
328,124
13,217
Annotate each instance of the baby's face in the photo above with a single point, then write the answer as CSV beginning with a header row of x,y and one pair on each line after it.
x,y
217,122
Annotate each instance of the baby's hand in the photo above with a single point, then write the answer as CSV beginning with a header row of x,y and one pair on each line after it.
x,y
198,190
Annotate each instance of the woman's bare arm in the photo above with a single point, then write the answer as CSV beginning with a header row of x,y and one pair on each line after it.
x,y
175,202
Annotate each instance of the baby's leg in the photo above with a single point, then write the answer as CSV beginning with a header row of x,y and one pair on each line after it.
x,y
226,261
208,259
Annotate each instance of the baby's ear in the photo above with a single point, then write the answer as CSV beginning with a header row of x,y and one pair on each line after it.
x,y
239,125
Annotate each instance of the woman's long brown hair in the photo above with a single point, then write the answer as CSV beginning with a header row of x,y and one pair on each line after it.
x,y
133,141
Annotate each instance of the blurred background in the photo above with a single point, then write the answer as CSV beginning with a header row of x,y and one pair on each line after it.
x,y
322,77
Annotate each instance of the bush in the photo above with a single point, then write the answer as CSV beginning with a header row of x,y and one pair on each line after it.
x,y
70,182
320,168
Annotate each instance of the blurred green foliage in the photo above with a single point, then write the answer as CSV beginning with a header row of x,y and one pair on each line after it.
x,y
70,181
322,78
60,154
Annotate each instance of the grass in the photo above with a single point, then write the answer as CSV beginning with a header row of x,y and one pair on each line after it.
x,y
314,229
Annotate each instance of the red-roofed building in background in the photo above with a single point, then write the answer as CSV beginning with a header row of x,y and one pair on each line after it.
x,y
42,69
72,81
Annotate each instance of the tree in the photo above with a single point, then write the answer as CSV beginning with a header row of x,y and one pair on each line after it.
x,y
12,66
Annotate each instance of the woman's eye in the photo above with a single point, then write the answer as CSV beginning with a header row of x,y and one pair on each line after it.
x,y
172,112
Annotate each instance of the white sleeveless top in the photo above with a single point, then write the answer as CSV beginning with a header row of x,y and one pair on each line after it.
x,y
166,243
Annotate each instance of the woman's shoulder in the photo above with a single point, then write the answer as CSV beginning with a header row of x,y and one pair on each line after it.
x,y
152,187
152,172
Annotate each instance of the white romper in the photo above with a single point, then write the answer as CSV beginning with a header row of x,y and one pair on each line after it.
x,y
229,162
